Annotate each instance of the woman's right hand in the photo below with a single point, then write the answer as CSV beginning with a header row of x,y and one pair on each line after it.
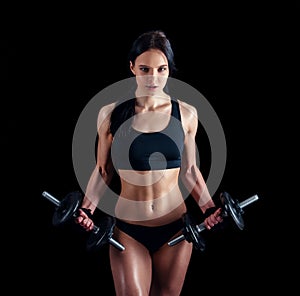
x,y
84,221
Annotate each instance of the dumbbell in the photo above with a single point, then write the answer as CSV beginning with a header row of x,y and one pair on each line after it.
x,y
67,209
230,208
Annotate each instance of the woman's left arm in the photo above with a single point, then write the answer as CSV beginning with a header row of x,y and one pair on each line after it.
x,y
190,173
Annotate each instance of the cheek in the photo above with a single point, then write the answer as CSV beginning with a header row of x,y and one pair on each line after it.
x,y
140,80
162,80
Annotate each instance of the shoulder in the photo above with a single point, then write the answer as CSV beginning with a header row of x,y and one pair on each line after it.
x,y
188,111
107,109
105,113
189,117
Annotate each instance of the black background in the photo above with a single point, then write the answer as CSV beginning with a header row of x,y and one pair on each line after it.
x,y
57,58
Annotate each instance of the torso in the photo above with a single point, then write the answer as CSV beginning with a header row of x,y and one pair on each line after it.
x,y
151,197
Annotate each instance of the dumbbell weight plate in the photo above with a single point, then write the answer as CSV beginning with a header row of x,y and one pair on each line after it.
x,y
67,208
233,209
103,234
191,233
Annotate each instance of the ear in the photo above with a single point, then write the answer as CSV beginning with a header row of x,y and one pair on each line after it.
x,y
131,68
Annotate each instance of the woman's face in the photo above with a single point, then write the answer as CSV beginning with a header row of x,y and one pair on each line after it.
x,y
151,71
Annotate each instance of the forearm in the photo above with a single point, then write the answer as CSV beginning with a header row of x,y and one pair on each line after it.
x,y
96,187
195,183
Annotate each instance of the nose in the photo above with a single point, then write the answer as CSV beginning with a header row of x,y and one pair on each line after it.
x,y
152,76
153,72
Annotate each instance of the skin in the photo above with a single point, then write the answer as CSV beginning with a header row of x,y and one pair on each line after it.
x,y
149,198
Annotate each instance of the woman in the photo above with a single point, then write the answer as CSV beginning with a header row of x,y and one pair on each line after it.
x,y
161,132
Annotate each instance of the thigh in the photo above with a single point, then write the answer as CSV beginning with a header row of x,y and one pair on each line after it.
x,y
170,266
131,268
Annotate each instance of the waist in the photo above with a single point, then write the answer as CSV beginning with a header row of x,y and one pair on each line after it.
x,y
151,208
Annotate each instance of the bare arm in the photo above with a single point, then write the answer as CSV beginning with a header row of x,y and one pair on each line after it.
x,y
190,174
103,171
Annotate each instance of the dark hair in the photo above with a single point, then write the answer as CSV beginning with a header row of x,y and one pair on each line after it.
x,y
154,39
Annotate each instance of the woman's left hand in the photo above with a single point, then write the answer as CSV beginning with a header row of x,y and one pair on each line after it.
x,y
213,219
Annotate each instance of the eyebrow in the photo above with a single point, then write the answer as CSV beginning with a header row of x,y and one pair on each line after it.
x,y
165,65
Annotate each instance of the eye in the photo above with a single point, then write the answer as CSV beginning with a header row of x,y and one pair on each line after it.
x,y
162,69
144,69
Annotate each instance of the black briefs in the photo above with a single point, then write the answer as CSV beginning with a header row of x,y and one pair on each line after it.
x,y
152,237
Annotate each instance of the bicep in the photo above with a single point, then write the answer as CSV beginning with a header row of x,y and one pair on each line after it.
x,y
103,151
189,152
104,139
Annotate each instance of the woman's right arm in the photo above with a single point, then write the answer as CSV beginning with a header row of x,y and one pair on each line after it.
x,y
103,171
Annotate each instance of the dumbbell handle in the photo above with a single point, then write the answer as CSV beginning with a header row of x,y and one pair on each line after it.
x,y
58,203
95,229
200,227
248,201
51,198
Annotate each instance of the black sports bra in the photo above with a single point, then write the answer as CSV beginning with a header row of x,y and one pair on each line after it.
x,y
134,150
